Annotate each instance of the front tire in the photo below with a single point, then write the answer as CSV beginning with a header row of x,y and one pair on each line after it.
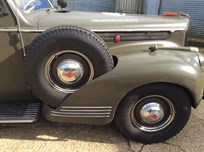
x,y
153,113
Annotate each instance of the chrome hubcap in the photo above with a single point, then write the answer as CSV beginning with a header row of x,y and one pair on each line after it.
x,y
70,71
69,74
152,113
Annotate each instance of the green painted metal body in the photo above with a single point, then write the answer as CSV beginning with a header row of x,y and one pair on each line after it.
x,y
136,66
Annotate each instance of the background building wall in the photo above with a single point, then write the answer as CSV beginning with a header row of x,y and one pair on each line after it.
x,y
124,6
90,5
151,7
128,6
195,8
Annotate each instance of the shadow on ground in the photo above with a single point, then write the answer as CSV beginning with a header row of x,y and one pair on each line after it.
x,y
49,136
60,131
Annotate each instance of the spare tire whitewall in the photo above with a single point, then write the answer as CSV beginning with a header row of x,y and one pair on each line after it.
x,y
63,59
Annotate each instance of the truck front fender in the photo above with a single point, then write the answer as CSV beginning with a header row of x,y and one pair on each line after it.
x,y
102,96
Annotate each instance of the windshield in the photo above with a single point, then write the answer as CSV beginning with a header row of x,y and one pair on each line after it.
x,y
28,6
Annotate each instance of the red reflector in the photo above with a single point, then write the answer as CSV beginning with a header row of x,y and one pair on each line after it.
x,y
171,14
117,38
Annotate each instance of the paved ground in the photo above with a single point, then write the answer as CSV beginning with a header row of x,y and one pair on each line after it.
x,y
45,136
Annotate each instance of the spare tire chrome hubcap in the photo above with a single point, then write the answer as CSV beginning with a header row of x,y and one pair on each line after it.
x,y
70,71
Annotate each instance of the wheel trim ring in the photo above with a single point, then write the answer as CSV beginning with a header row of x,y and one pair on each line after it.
x,y
48,67
170,118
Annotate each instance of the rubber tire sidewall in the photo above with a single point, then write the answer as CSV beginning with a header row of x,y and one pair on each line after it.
x,y
58,39
178,97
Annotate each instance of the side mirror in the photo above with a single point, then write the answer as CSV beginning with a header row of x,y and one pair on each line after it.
x,y
2,10
62,3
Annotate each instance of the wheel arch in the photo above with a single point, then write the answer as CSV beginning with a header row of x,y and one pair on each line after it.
x,y
188,92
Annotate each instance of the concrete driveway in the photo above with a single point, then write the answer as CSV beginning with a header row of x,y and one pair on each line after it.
x,y
44,136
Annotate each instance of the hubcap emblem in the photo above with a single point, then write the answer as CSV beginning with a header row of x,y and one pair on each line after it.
x,y
69,74
154,117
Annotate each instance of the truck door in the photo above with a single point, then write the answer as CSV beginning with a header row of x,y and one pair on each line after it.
x,y
12,80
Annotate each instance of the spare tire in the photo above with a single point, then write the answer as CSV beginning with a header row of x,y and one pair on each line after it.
x,y
63,59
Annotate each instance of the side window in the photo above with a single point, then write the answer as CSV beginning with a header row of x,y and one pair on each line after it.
x,y
6,16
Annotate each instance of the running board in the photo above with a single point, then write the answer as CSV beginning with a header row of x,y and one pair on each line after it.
x,y
19,112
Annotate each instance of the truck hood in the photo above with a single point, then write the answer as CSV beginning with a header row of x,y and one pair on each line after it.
x,y
99,22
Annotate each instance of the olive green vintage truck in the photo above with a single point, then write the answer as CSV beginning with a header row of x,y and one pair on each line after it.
x,y
95,68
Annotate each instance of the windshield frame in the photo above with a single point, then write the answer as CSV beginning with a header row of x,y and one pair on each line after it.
x,y
24,12
24,19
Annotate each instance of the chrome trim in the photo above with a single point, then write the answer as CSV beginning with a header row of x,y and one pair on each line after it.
x,y
8,30
50,4
21,38
53,84
165,124
76,111
104,31
16,121
189,49
80,116
80,113
77,107
109,30
70,71
194,49
138,30
152,113
17,13
64,110
31,31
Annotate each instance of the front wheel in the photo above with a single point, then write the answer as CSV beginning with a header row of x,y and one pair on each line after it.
x,y
153,113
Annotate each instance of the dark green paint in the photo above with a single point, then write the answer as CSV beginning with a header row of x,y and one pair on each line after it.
x,y
136,67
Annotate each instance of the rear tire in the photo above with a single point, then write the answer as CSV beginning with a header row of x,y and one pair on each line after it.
x,y
153,113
